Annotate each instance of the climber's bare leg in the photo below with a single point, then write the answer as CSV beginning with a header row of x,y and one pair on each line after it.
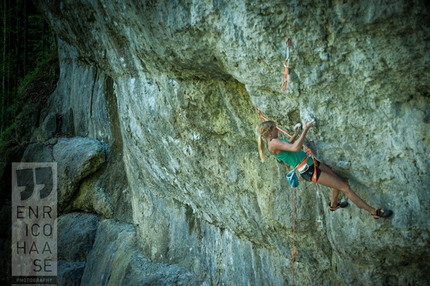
x,y
334,182
334,192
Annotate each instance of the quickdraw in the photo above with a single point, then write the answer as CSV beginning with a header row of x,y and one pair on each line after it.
x,y
284,84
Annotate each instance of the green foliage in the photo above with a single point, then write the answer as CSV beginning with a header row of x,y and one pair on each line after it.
x,y
29,69
7,138
40,82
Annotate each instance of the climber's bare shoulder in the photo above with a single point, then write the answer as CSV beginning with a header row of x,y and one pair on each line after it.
x,y
276,146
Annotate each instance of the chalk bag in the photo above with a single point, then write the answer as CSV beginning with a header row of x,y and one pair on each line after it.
x,y
292,179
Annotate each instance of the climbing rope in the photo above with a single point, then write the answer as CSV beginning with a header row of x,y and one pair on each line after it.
x,y
293,241
308,151
293,247
284,84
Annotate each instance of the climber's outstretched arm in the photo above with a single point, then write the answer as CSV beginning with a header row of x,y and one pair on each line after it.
x,y
277,145
297,128
293,138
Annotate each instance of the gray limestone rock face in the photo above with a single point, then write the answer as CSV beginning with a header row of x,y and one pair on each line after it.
x,y
70,273
171,87
76,235
77,230
77,158
116,260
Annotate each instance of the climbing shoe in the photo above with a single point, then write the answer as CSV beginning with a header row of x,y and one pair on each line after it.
x,y
338,206
382,213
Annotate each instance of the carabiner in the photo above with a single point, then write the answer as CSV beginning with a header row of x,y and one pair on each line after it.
x,y
288,45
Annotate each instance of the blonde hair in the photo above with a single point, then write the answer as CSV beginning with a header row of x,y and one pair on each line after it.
x,y
263,131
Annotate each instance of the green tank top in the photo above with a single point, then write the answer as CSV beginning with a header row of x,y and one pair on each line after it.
x,y
291,158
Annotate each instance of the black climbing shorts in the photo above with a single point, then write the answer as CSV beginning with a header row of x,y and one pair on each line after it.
x,y
310,171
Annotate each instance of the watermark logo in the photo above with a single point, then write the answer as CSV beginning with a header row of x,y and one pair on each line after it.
x,y
34,223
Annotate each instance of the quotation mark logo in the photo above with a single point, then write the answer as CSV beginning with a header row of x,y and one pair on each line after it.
x,y
35,180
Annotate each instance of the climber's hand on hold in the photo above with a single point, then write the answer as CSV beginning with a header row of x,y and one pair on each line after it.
x,y
309,124
297,128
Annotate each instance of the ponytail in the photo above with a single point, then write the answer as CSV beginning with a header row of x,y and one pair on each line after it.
x,y
261,148
264,128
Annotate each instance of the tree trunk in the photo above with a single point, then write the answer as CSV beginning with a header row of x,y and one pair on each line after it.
x,y
25,40
3,80
18,47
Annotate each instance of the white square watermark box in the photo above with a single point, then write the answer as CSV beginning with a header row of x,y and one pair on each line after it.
x,y
34,223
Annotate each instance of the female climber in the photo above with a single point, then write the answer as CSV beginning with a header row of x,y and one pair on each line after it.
x,y
290,152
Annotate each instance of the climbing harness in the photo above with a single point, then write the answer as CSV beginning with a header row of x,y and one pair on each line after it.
x,y
284,84
303,166
292,179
